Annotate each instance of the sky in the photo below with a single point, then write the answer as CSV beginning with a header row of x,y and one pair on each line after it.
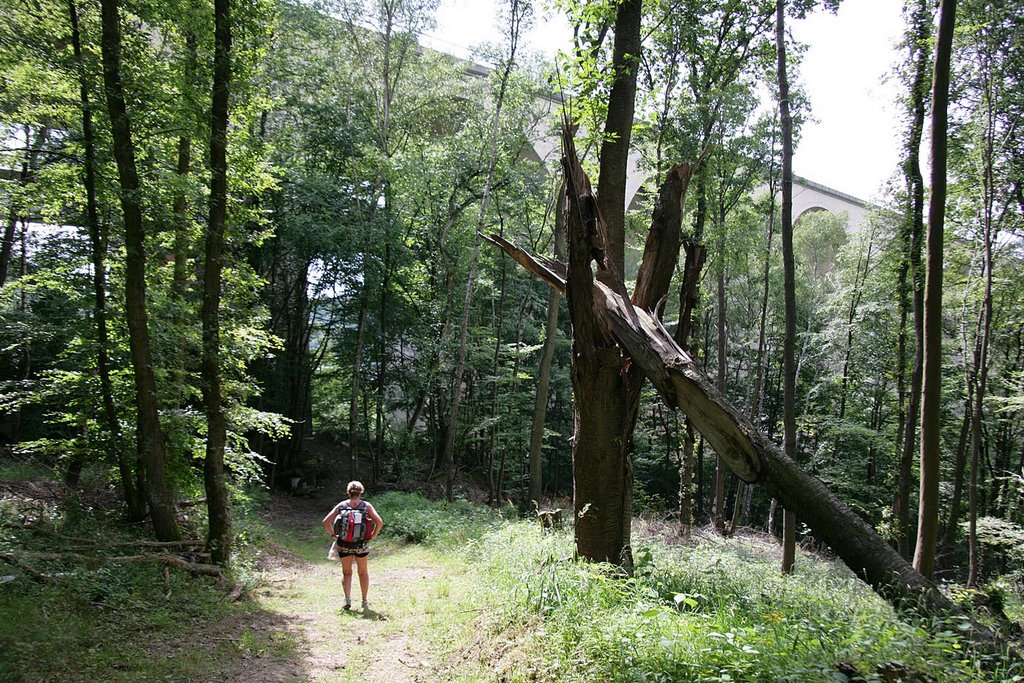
x,y
853,143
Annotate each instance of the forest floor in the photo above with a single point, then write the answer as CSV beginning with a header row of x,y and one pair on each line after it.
x,y
144,622
300,600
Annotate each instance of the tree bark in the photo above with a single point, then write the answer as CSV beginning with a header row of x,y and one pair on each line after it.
x,y
722,372
911,237
984,328
603,419
931,398
789,279
150,438
217,502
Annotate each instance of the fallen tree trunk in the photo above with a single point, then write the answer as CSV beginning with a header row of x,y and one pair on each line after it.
x,y
748,453
17,559
31,571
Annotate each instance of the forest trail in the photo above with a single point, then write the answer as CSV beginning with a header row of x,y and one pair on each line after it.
x,y
301,593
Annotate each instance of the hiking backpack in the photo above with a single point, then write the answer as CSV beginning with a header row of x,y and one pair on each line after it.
x,y
352,525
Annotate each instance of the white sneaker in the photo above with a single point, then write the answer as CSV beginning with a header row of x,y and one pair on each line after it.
x,y
366,605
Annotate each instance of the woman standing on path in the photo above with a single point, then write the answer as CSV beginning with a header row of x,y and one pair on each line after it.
x,y
363,525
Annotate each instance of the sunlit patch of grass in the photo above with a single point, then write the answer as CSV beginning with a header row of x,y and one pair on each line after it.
x,y
414,519
712,610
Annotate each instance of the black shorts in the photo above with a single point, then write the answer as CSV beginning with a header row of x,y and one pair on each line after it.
x,y
361,549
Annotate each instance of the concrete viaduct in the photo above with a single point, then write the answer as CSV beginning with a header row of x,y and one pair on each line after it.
x,y
808,196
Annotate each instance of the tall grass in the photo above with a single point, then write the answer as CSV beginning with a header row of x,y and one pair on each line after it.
x,y
412,518
712,610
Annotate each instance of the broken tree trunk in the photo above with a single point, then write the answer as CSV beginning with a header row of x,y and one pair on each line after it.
x,y
748,453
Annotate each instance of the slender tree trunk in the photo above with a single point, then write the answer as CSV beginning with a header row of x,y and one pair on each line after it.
x,y
984,331
959,472
759,365
134,500
180,277
860,277
912,234
382,359
789,279
353,405
547,356
449,447
218,507
150,436
695,254
494,494
931,403
723,363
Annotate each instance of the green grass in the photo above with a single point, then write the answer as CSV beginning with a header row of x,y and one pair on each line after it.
x,y
414,519
114,622
495,597
712,611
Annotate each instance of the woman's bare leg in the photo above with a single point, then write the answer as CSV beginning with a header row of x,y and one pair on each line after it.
x,y
346,578
364,576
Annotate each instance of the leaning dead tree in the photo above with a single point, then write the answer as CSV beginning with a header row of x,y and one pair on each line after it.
x,y
682,385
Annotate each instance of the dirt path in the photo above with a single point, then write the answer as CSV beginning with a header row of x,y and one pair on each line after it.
x,y
302,595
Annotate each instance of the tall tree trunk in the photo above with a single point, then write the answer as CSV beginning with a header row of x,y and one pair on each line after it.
x,y
762,324
723,365
540,403
959,471
911,234
759,369
494,493
931,397
382,363
789,279
218,508
150,438
983,329
181,224
133,497
695,253
516,15
603,420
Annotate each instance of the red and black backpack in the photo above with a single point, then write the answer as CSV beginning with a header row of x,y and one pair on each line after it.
x,y
353,525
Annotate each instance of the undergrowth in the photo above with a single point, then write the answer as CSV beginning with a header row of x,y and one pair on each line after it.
x,y
108,621
412,518
523,608
712,610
